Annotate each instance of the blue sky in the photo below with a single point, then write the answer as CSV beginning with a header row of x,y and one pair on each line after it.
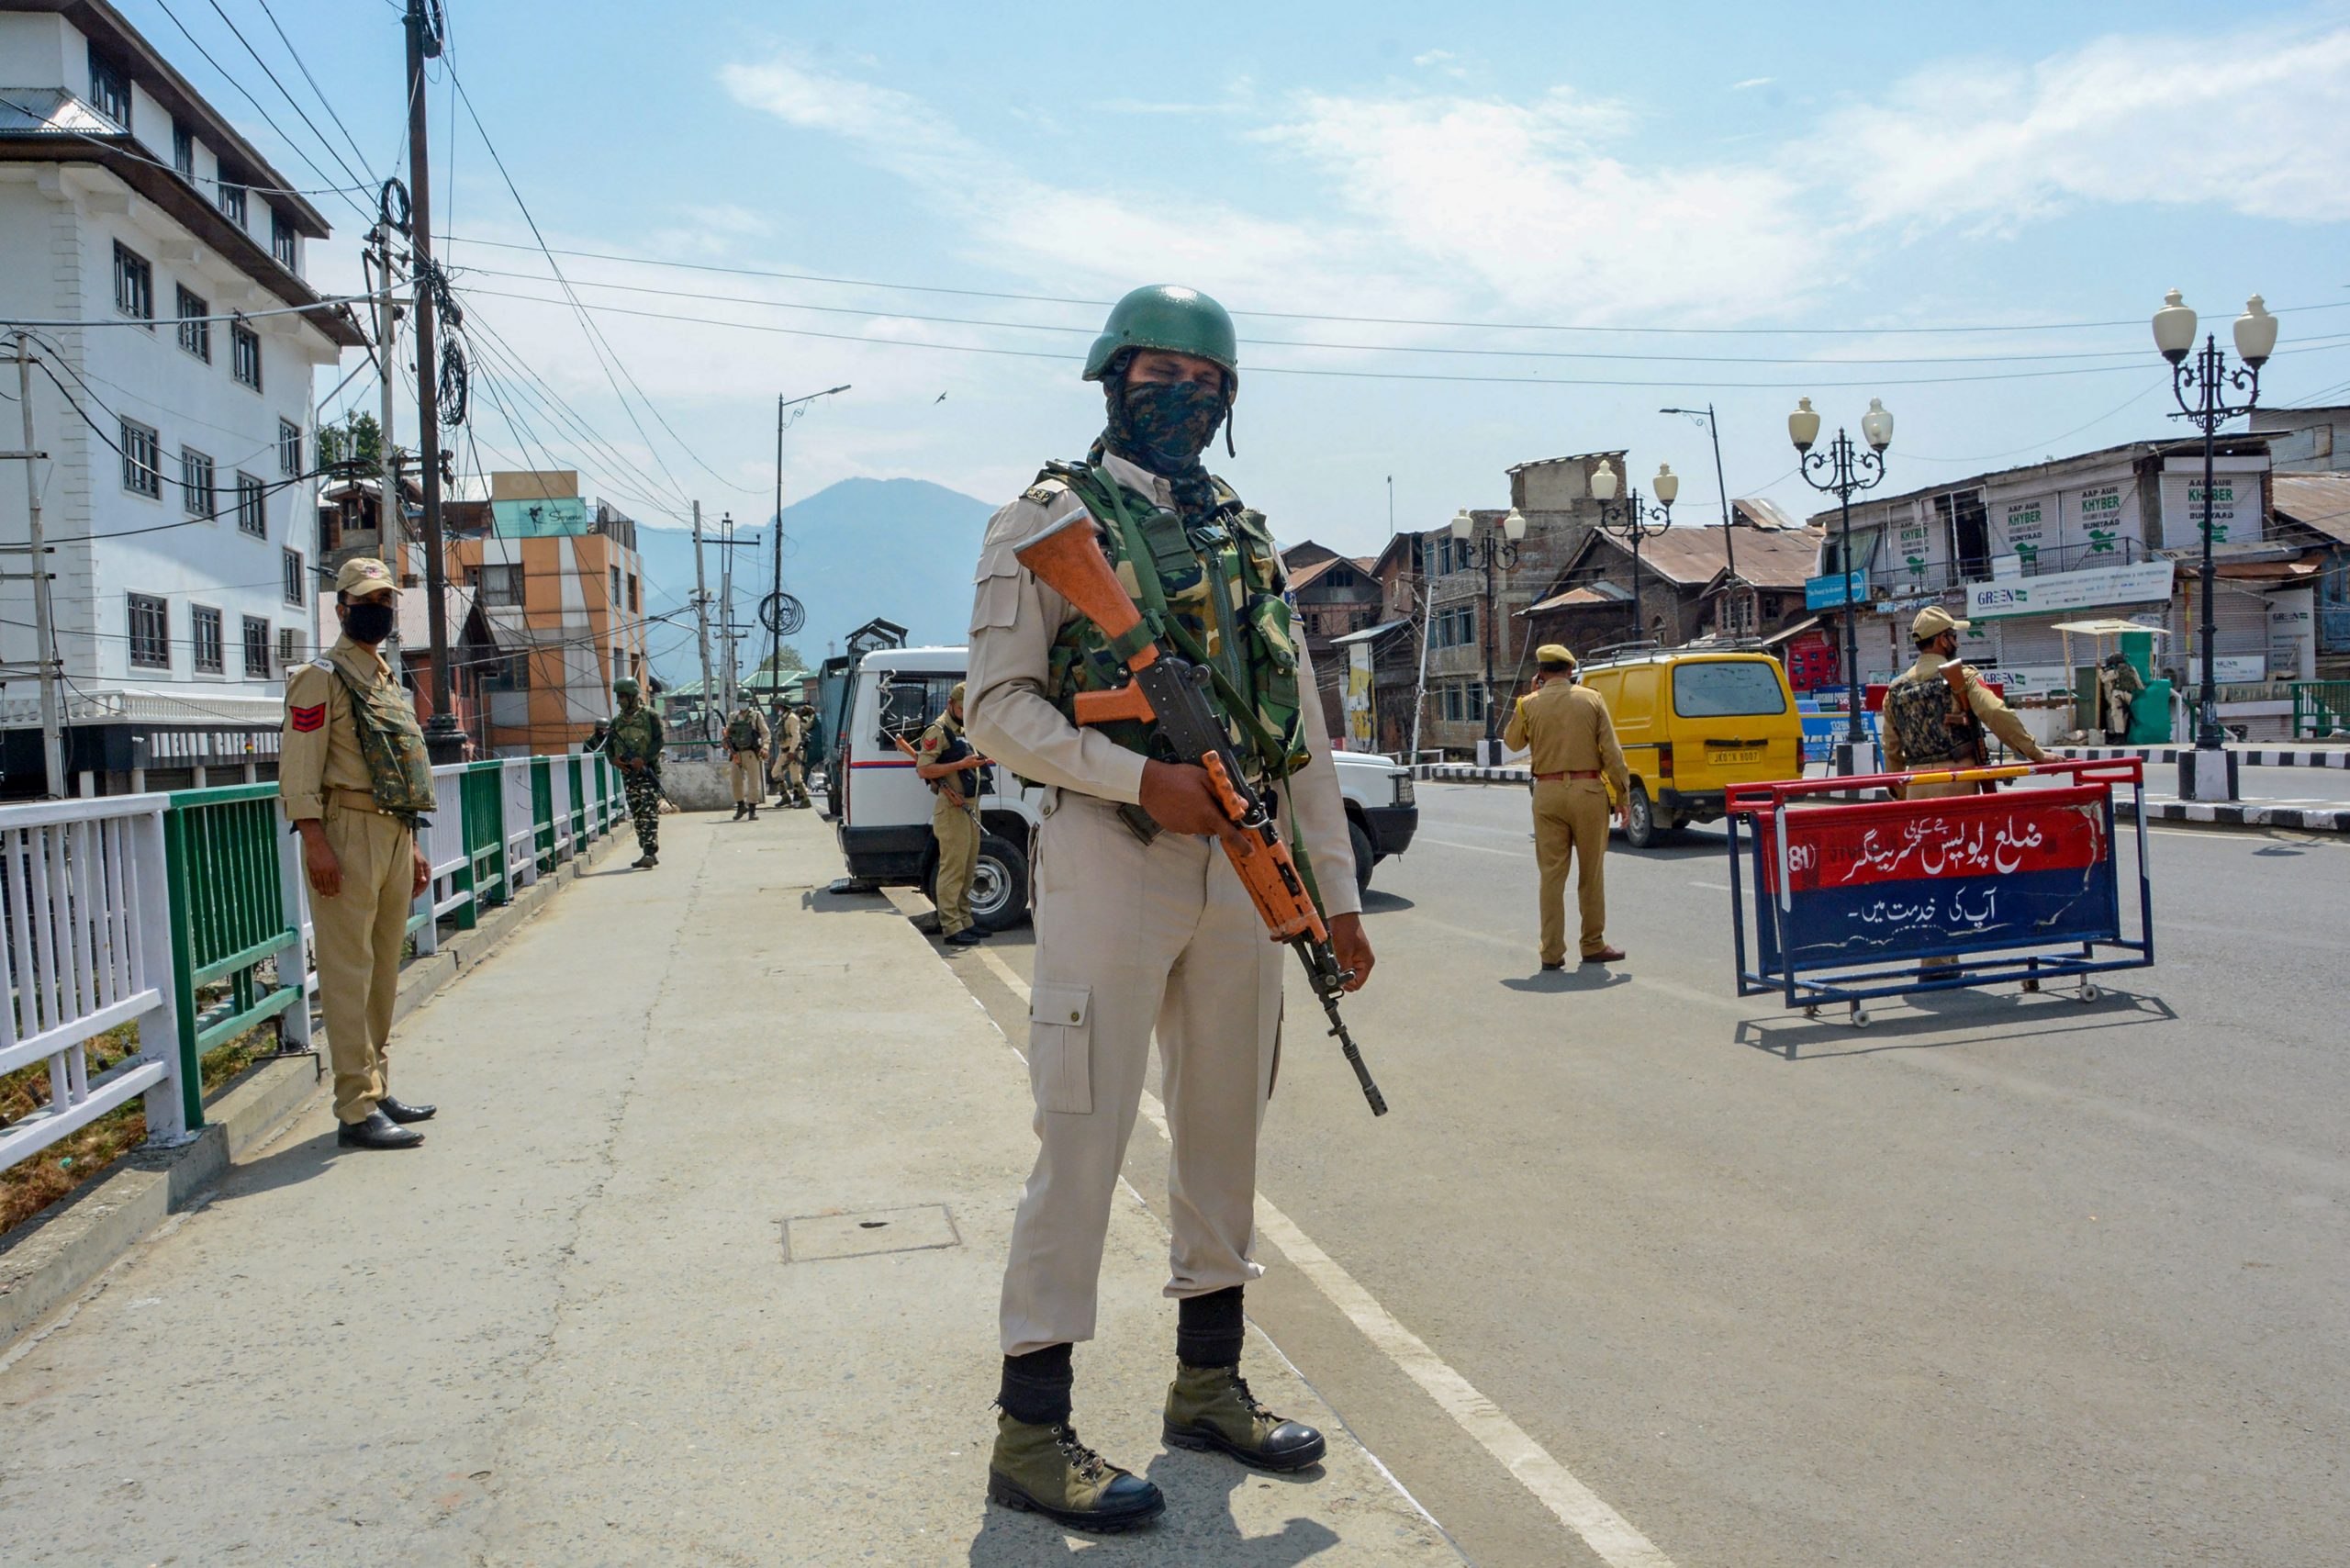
x,y
1712,169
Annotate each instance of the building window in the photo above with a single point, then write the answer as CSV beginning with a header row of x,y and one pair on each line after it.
x,y
195,333
633,601
143,460
289,448
256,649
207,622
616,588
150,632
134,283
509,673
253,514
289,648
233,201
1473,700
183,150
245,356
281,239
500,585
296,589
109,93
197,483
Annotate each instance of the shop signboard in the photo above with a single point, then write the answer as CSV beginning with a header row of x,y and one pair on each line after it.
x,y
1358,697
2292,635
2022,529
1914,554
2235,501
2064,592
2099,520
1834,591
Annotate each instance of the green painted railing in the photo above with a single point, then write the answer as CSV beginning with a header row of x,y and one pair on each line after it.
x,y
483,802
227,855
2321,710
543,810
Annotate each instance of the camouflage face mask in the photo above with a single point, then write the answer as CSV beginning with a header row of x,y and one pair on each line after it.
x,y
1165,427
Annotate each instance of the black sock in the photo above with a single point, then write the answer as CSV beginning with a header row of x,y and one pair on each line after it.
x,y
1208,1330
1036,1386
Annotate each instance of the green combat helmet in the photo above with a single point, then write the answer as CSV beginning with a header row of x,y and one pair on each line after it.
x,y
1168,315
625,687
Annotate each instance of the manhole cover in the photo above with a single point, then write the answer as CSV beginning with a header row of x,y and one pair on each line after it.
x,y
812,1236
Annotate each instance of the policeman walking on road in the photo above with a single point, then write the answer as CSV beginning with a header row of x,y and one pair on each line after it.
x,y
1578,770
1142,925
945,761
355,780
790,769
635,742
746,749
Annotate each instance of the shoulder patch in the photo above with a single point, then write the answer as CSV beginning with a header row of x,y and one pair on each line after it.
x,y
1044,492
308,721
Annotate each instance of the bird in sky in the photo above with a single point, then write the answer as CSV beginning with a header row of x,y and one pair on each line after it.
x,y
940,398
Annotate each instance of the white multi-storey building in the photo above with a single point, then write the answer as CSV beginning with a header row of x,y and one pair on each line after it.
x,y
153,260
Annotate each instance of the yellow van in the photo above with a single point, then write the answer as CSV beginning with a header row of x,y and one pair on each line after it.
x,y
1692,724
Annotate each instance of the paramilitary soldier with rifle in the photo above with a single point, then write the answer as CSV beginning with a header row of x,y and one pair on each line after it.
x,y
1131,651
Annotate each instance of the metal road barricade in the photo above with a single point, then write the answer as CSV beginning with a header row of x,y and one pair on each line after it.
x,y
1850,900
2321,710
87,947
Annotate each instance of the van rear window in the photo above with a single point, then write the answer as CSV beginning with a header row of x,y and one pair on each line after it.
x,y
1727,689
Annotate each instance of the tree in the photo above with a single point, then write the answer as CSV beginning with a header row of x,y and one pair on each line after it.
x,y
357,441
785,660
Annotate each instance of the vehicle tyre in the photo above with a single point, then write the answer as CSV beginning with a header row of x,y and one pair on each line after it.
x,y
1000,885
1364,855
1640,818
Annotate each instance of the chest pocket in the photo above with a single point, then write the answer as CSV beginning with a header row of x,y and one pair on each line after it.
x,y
1060,1047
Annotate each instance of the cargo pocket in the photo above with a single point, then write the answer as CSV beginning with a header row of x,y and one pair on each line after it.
x,y
1060,1047
995,589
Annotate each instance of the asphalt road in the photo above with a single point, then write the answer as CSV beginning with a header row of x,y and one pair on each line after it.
x,y
1997,1280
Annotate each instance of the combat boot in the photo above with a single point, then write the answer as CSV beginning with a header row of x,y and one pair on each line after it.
x,y
1211,1408
1039,1468
739,810
645,862
755,811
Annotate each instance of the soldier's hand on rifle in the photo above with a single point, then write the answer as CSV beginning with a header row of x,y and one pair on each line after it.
x,y
1352,946
1181,799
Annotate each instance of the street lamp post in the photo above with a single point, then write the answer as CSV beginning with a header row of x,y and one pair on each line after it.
x,y
1488,553
2200,384
1634,519
1729,536
1841,470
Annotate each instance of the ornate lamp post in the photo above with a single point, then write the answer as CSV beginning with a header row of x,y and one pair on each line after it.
x,y
2201,384
1633,520
1488,553
1841,470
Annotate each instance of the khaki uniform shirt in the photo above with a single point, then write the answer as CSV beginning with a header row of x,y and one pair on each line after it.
x,y
759,723
1015,619
1567,729
793,733
1995,715
318,747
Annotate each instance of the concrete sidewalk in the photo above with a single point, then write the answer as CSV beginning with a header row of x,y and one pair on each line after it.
x,y
697,1266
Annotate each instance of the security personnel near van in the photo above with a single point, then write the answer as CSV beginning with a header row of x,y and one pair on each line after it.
x,y
1142,925
633,741
746,747
790,769
1578,771
944,760
355,780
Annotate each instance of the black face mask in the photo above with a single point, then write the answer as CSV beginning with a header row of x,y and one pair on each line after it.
x,y
1165,426
368,623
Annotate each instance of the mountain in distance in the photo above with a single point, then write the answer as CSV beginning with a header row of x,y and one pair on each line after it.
x,y
900,549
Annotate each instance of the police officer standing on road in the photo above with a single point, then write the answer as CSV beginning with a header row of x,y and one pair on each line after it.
x,y
354,781
1578,770
790,769
635,742
746,749
945,762
1141,922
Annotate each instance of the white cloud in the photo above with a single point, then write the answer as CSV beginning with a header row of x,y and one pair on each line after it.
x,y
1751,83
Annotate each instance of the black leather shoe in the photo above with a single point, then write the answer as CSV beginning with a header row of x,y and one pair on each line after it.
x,y
403,1113
754,815
645,862
378,1131
969,936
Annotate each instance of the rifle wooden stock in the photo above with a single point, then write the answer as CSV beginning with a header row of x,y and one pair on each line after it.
x,y
946,787
1069,560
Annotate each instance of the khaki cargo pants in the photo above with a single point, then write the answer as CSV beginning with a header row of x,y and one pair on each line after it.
x,y
1570,822
358,935
1131,940
957,828
742,770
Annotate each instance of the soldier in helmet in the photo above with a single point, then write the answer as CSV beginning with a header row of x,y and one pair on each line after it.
x,y
635,742
790,769
746,747
1142,926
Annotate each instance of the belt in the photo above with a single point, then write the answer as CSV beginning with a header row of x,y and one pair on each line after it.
x,y
1569,773
356,800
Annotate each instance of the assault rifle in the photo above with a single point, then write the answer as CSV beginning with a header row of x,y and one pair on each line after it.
x,y
945,782
1166,689
1974,746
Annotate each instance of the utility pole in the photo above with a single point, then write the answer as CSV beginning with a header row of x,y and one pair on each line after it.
x,y
775,584
52,728
702,627
390,513
726,604
443,738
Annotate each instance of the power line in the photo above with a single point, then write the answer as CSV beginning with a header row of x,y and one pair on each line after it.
x,y
324,100
328,302
324,140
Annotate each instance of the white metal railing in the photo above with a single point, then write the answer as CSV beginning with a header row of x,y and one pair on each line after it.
x,y
522,823
559,807
83,888
450,888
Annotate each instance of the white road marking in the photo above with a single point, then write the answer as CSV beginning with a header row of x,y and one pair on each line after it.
x,y
1718,887
1609,1535
1525,854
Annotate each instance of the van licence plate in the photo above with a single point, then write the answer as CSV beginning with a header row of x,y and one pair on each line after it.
x,y
1736,754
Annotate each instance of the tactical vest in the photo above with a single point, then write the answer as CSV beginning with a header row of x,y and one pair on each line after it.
x,y
1918,707
399,770
632,737
1217,591
742,733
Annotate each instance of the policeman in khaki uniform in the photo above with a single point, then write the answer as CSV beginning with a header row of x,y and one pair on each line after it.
x,y
355,780
1578,770
1142,926
746,747
948,764
790,771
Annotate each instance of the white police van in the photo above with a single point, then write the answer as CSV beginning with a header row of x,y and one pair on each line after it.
x,y
884,823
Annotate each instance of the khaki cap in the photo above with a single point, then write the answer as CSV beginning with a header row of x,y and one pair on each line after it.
x,y
1932,621
1553,654
363,575
955,695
